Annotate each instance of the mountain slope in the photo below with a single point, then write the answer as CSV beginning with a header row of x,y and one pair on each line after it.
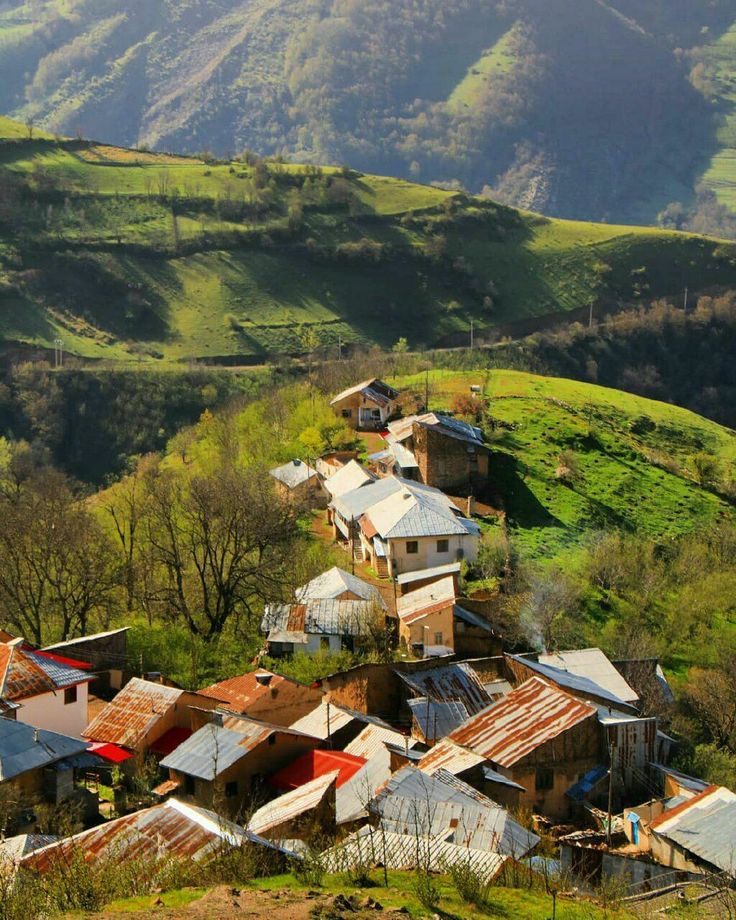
x,y
578,108
130,255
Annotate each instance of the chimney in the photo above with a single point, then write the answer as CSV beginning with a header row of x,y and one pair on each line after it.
x,y
264,679
471,506
36,736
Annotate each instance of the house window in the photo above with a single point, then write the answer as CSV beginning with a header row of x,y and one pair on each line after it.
x,y
412,547
189,787
376,413
438,638
272,739
70,695
347,413
231,789
443,546
324,643
545,779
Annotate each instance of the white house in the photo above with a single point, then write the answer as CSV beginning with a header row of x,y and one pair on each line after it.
x,y
49,690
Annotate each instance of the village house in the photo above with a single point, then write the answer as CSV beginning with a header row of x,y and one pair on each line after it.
x,y
693,831
144,717
44,689
35,766
410,581
432,621
300,813
367,406
436,450
299,483
261,694
399,526
105,654
226,762
349,477
539,737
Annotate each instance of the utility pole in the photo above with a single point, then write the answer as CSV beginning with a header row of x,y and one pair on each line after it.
x,y
471,333
609,819
426,389
685,302
339,348
58,352
590,316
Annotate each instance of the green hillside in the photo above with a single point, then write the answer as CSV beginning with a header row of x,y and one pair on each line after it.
x,y
596,110
633,459
129,255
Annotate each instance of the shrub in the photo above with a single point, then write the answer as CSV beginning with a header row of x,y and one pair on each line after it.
x,y
472,886
425,889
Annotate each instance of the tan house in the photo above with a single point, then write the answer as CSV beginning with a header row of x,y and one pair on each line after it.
x,y
299,483
261,694
226,762
437,450
367,406
540,738
401,526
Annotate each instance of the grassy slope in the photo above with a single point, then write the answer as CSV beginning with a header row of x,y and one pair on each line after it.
x,y
504,902
100,244
621,480
721,172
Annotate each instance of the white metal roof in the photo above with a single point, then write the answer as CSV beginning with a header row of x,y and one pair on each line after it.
x,y
437,571
450,427
415,510
334,582
705,826
374,388
314,723
372,741
446,755
292,804
293,473
593,664
434,596
348,477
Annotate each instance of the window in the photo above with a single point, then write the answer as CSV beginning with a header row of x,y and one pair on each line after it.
x,y
189,787
376,413
443,546
231,789
324,643
347,413
70,695
272,739
545,778
412,547
438,638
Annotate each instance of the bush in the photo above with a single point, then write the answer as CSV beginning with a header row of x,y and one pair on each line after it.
x,y
426,890
471,885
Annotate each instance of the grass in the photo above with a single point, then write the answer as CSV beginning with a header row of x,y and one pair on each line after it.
x,y
720,174
631,475
98,260
511,903
498,59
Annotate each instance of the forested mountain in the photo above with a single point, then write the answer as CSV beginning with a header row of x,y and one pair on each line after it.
x,y
577,108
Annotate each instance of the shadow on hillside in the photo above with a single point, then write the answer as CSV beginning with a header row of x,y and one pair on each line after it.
x,y
522,506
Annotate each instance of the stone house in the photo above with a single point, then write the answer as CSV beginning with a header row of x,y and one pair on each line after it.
x,y
299,483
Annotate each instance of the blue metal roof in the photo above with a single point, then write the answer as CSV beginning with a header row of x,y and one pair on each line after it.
x,y
587,783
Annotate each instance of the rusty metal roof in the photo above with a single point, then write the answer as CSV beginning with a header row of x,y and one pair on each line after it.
x,y
528,717
172,829
21,676
128,719
292,804
457,682
446,755
242,691
372,741
435,720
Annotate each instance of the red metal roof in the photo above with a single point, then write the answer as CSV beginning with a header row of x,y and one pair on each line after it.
x,y
20,676
110,752
317,763
170,740
528,717
71,662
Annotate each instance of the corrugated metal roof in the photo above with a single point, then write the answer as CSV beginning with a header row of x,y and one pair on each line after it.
x,y
570,681
417,511
446,425
348,477
292,804
435,596
134,711
173,829
493,776
94,636
314,723
437,719
21,676
471,618
446,755
24,748
245,690
317,763
372,741
705,826
402,455
13,848
528,717
63,675
378,847
351,799
327,617
497,688
682,779
293,473
353,504
334,582
443,806
381,393
457,681
587,783
214,748
406,578
594,665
